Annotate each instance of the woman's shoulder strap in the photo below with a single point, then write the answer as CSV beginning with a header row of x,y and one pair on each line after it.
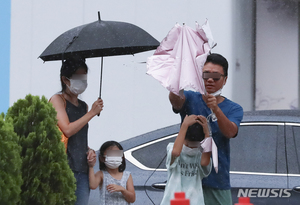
x,y
62,97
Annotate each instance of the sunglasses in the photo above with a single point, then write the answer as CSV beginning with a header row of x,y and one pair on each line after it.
x,y
214,76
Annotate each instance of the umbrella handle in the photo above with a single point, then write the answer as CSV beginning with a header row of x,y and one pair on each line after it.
x,y
99,112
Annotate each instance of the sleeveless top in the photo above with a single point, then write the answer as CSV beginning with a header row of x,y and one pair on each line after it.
x,y
77,143
115,198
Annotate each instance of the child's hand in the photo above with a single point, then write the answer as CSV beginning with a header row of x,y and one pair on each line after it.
x,y
92,162
190,120
202,121
114,188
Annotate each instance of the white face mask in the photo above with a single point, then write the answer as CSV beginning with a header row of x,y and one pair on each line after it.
x,y
113,162
78,86
190,151
217,93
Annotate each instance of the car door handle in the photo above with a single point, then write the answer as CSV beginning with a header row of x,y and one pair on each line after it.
x,y
159,185
296,189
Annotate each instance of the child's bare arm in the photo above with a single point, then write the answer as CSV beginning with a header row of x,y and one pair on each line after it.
x,y
95,178
179,142
129,193
205,158
188,120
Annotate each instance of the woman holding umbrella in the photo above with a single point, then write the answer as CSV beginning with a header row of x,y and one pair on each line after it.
x,y
73,117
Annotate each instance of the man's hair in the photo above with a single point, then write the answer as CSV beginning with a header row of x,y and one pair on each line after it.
x,y
195,132
218,59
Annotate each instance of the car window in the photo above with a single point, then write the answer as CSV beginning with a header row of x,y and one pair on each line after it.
x,y
254,149
153,155
296,133
248,150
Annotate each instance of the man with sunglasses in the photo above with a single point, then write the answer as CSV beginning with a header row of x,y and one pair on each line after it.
x,y
224,124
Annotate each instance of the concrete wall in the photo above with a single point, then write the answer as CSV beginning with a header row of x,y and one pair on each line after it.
x,y
266,52
243,69
277,55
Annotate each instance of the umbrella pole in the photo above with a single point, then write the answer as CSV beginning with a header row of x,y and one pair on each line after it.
x,y
101,77
101,80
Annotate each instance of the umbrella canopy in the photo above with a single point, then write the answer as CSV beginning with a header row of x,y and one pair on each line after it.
x,y
177,63
99,39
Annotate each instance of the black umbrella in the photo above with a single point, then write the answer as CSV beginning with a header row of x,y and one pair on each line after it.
x,y
99,39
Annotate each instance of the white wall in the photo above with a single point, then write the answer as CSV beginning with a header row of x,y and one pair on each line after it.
x,y
135,103
243,52
277,55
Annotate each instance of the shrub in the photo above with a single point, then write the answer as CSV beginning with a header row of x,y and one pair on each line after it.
x,y
10,164
47,177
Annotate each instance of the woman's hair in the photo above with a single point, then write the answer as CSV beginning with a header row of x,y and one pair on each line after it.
x,y
69,67
103,148
195,132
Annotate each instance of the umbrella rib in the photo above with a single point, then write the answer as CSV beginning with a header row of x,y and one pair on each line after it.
x,y
74,38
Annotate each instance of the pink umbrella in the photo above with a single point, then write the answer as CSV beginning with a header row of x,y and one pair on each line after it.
x,y
209,145
177,63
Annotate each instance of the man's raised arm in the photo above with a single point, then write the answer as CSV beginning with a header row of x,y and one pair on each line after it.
x,y
176,101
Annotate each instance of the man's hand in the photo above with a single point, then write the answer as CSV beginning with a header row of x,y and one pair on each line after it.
x,y
229,129
211,102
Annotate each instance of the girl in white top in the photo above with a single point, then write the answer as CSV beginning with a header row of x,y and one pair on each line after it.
x,y
115,184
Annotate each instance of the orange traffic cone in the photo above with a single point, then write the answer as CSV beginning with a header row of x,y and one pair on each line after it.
x,y
180,199
244,201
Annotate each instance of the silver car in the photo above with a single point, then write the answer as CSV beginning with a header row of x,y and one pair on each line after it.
x,y
265,160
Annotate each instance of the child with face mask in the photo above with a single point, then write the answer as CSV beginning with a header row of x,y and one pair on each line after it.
x,y
187,162
115,184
